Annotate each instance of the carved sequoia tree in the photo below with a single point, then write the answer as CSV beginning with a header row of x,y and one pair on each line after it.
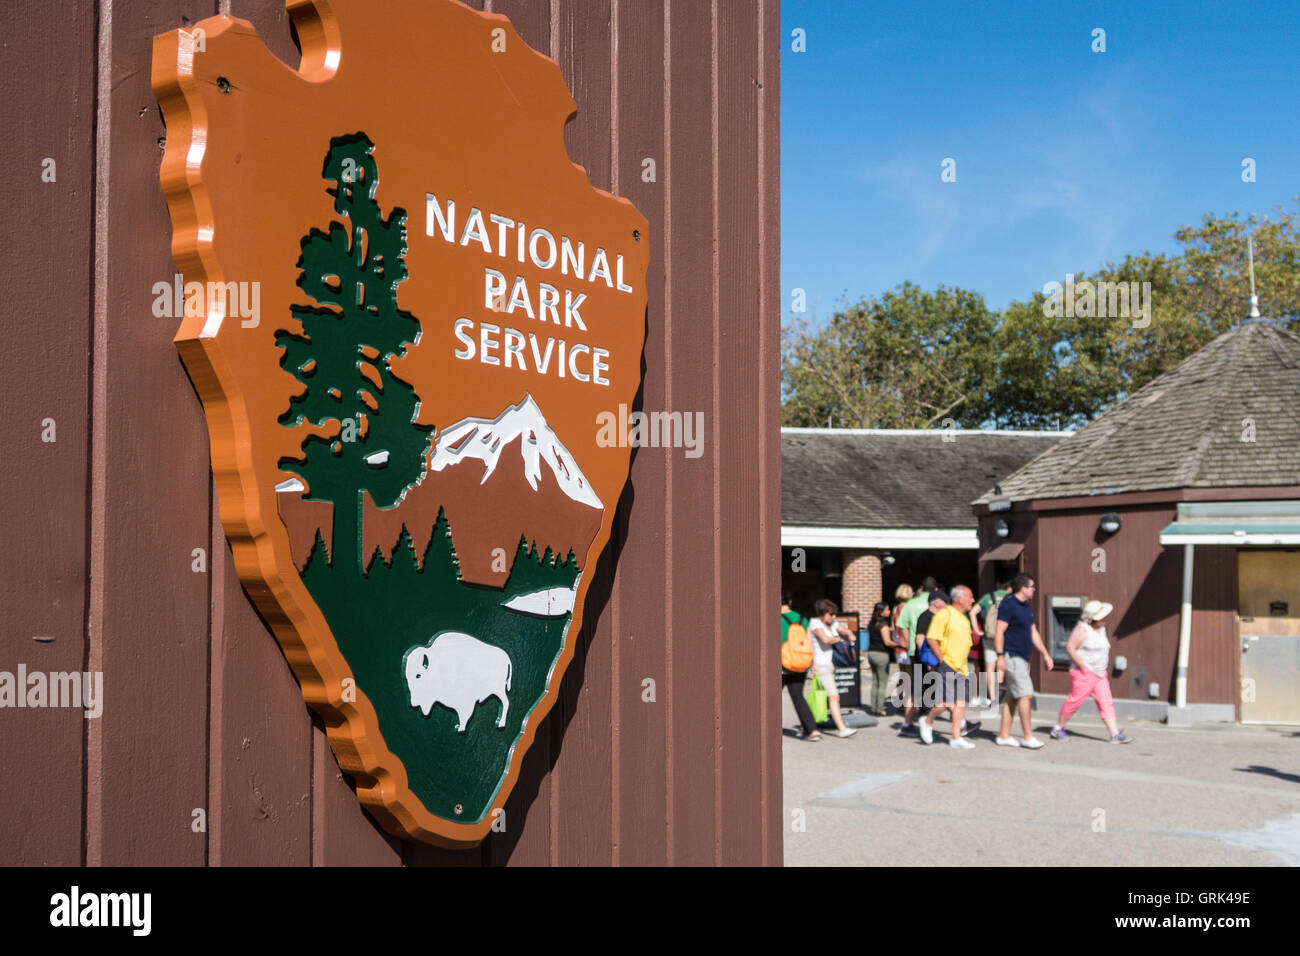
x,y
350,334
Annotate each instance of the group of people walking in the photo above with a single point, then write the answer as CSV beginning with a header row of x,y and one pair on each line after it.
x,y
936,640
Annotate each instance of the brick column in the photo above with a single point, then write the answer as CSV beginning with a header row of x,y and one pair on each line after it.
x,y
861,582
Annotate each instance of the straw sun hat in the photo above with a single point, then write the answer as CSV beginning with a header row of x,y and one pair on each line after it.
x,y
1096,610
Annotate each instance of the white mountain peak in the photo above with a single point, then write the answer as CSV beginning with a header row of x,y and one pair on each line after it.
x,y
484,439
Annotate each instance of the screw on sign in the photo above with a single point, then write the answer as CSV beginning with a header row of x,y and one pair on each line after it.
x,y
367,459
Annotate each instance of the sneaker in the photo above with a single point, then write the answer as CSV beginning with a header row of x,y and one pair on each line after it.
x,y
1008,742
961,743
1031,743
909,730
814,736
846,732
1121,738
927,732
1058,733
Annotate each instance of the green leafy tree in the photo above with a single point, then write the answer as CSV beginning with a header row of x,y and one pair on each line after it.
x,y
1204,291
1067,370
349,337
908,359
1051,370
1215,275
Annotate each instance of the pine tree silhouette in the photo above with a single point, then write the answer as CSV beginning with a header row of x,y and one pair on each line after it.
x,y
440,559
318,556
531,572
348,339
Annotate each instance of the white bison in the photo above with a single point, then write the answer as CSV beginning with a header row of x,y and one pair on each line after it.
x,y
459,672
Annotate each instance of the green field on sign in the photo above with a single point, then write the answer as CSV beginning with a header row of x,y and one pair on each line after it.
x,y
378,617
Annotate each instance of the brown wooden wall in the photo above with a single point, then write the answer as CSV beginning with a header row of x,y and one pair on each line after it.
x,y
99,526
1144,580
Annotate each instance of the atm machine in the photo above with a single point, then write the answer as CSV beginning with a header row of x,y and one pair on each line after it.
x,y
1064,613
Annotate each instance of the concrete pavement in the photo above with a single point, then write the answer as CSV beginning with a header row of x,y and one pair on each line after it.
x,y
1221,795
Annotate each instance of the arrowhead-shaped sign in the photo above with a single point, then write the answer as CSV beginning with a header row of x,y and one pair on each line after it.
x,y
404,310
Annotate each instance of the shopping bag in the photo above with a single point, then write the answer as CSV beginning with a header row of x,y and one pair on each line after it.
x,y
817,700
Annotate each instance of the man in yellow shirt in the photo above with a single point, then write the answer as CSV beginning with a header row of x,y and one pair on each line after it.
x,y
949,637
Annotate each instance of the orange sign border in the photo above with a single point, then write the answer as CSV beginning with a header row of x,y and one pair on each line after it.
x,y
281,597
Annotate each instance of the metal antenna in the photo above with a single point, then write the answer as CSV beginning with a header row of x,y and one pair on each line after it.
x,y
1254,299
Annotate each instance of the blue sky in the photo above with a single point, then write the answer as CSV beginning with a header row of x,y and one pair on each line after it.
x,y
1065,158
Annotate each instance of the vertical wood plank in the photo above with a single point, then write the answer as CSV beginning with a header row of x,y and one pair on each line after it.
x,y
527,837
261,736
530,18
583,795
343,834
688,173
148,615
261,731
642,744
769,247
45,247
734,439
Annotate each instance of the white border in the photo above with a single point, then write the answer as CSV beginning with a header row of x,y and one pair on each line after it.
x,y
1256,538
902,539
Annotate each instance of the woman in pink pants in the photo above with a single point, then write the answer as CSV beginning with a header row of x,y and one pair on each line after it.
x,y
1089,649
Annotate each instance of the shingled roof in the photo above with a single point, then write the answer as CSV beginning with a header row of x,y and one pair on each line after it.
x,y
1188,428
875,478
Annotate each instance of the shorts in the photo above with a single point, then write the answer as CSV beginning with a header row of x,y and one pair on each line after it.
x,y
955,685
826,674
990,656
1018,683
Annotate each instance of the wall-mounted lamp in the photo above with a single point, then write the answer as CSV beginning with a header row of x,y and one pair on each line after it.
x,y
831,567
1002,529
1110,522
887,559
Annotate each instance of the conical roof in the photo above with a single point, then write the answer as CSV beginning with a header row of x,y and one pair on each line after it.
x,y
1227,416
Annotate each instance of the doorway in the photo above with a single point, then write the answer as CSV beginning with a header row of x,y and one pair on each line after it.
x,y
1268,588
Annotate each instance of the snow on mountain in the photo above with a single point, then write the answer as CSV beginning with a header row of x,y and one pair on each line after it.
x,y
485,439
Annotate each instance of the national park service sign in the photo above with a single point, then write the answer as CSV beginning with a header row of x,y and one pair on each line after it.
x,y
403,430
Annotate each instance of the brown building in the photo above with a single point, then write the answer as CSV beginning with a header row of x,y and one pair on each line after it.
x,y
864,510
1180,506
